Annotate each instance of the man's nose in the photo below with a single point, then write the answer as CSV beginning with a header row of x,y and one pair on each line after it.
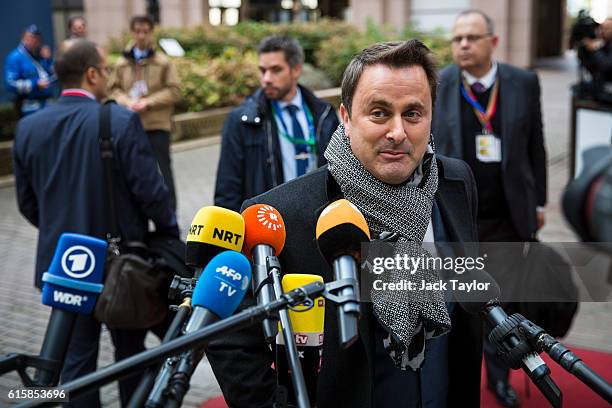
x,y
267,77
396,132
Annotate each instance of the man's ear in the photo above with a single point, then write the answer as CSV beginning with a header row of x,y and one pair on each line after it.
x,y
346,119
90,75
495,41
297,71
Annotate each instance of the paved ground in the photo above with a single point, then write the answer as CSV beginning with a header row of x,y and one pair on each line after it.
x,y
23,319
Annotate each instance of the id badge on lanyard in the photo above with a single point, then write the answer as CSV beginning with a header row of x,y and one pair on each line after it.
x,y
488,145
488,148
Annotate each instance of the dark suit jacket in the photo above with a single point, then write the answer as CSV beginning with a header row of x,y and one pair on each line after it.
x,y
60,179
523,151
241,361
250,161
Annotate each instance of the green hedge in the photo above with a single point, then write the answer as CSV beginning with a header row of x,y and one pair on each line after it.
x,y
220,63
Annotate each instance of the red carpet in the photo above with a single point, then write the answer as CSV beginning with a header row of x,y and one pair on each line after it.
x,y
575,394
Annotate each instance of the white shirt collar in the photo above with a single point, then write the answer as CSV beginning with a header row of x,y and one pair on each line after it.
x,y
487,80
297,100
138,53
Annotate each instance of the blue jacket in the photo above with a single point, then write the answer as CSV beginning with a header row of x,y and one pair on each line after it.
x,y
250,162
21,74
60,177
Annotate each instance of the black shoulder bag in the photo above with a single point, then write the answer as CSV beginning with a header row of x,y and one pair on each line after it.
x,y
135,279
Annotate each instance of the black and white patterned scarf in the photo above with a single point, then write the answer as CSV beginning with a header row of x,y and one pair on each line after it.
x,y
410,317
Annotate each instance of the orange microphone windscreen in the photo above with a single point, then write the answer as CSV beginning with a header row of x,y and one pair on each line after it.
x,y
263,225
341,228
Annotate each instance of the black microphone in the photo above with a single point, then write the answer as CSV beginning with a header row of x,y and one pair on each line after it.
x,y
219,291
341,228
587,200
514,350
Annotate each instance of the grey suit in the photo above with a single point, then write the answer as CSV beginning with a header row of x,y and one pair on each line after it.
x,y
523,153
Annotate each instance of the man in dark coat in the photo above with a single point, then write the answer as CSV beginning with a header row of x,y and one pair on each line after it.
x,y
60,188
384,145
489,115
278,133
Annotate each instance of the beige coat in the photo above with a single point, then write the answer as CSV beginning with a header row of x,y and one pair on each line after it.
x,y
162,87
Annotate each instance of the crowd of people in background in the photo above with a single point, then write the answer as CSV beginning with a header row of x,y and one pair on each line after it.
x,y
483,112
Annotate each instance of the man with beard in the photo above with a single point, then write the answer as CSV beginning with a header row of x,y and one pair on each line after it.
x,y
279,133
382,160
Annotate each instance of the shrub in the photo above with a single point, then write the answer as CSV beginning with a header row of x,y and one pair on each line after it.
x,y
220,63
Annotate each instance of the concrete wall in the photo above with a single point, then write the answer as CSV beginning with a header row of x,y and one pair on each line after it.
x,y
110,17
514,20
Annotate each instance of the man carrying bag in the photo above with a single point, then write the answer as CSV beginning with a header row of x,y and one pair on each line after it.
x,y
60,188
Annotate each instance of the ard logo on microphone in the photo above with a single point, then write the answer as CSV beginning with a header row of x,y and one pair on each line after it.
x,y
78,262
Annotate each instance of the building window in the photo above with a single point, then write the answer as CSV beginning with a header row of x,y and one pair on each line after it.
x,y
225,12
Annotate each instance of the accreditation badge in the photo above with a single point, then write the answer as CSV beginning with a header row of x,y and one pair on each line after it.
x,y
139,89
488,148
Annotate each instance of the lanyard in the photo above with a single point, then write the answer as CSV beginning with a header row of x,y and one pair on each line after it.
x,y
311,142
484,116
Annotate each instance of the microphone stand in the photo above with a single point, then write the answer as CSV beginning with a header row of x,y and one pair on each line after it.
x,y
195,340
516,352
55,344
297,377
543,342
182,287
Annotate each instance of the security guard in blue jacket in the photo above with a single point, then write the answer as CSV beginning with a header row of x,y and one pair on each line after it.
x,y
279,133
28,73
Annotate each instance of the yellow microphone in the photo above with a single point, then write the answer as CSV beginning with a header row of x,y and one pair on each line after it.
x,y
308,324
213,230
341,228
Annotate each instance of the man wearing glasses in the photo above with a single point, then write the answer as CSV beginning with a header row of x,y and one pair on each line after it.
x,y
488,114
59,178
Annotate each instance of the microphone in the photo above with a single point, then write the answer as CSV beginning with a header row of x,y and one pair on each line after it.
x,y
217,294
341,228
308,324
506,335
213,229
586,200
71,286
265,237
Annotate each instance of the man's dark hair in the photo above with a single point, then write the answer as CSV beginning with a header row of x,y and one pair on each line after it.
x,y
73,62
394,54
74,19
488,20
141,20
294,53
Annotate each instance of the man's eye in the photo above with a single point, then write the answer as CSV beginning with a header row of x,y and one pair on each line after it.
x,y
378,114
413,114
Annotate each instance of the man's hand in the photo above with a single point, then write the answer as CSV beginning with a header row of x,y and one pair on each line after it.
x,y
138,106
42,83
593,44
45,52
541,218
